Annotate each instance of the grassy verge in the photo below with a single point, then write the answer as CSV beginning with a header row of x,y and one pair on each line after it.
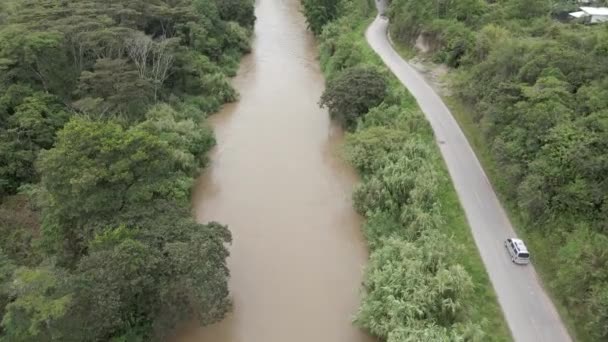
x,y
540,244
485,303
484,308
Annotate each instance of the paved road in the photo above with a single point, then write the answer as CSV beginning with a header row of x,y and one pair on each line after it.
x,y
529,312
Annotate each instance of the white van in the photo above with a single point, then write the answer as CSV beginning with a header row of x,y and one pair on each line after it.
x,y
518,250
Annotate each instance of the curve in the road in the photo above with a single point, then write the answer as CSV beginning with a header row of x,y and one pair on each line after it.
x,y
529,312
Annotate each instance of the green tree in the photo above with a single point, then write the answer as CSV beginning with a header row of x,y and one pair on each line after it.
x,y
352,93
188,140
320,12
29,128
98,169
528,9
34,57
151,276
196,284
194,275
120,283
114,87
40,303
240,11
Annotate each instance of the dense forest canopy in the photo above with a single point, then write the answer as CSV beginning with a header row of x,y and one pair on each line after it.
x,y
538,86
102,129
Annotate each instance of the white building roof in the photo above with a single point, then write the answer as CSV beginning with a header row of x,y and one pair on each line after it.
x,y
595,10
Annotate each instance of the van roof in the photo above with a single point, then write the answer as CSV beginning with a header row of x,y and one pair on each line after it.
x,y
520,245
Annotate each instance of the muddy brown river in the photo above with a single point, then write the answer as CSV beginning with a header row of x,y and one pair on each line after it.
x,y
276,179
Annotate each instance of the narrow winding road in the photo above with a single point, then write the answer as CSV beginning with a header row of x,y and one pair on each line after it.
x,y
529,312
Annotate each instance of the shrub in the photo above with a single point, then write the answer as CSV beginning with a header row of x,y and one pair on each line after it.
x,y
412,284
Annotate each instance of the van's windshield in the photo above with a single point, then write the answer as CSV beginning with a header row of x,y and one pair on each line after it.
x,y
523,255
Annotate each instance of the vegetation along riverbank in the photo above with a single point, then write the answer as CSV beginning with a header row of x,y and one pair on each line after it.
x,y
425,279
102,129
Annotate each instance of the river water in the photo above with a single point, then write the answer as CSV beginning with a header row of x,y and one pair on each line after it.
x,y
276,179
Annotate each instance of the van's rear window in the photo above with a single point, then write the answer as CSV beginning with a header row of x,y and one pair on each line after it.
x,y
524,255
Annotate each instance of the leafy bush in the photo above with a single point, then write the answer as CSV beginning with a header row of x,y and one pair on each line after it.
x,y
412,284
368,150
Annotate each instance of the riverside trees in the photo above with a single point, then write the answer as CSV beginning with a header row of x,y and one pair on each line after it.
x,y
420,283
102,130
